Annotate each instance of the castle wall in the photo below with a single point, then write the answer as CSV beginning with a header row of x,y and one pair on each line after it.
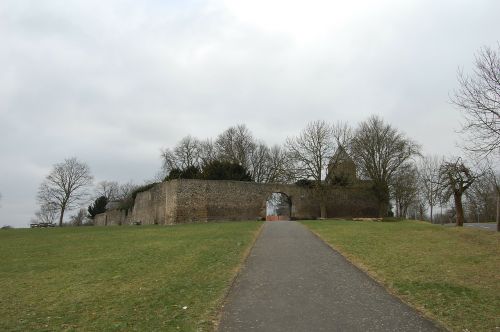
x,y
111,217
149,206
100,219
185,201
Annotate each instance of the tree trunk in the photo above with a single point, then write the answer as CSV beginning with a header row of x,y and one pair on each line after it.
x,y
421,211
61,216
459,209
498,211
432,221
382,209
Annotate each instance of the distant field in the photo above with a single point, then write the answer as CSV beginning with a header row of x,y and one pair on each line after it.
x,y
119,278
452,274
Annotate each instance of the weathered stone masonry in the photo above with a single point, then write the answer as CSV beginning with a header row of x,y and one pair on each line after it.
x,y
184,201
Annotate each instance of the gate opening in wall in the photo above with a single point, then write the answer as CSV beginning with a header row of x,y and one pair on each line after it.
x,y
278,207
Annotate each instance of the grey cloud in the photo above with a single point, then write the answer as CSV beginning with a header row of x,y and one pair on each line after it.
x,y
114,81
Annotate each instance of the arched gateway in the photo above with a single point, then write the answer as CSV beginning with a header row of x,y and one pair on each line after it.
x,y
278,207
183,201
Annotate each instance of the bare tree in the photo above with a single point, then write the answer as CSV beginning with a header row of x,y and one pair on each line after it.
x,y
418,206
259,162
47,213
126,190
480,199
280,166
379,151
456,178
404,189
65,186
207,151
185,154
428,175
236,144
494,178
79,218
496,183
478,97
188,152
108,189
311,152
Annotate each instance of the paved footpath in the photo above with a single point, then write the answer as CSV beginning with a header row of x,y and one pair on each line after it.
x,y
292,281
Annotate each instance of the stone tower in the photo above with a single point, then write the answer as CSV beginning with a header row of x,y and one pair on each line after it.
x,y
341,169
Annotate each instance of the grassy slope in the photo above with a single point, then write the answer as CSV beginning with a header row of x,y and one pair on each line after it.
x,y
451,274
118,278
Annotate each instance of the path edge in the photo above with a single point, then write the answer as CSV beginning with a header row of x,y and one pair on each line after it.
x,y
217,316
420,311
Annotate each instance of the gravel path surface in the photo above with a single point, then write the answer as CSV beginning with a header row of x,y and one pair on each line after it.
x,y
292,281
484,226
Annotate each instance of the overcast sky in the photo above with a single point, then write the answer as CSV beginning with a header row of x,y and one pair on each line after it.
x,y
112,82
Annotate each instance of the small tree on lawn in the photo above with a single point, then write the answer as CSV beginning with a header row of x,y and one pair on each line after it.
x,y
47,213
65,186
79,218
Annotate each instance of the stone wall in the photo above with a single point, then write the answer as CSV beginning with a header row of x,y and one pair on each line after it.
x,y
149,206
111,217
185,201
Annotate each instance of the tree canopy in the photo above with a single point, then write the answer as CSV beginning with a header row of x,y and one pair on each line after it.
x,y
379,150
99,206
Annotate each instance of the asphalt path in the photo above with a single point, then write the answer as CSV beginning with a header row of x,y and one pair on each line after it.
x,y
293,281
485,226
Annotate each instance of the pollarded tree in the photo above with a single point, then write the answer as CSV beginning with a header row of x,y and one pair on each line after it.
x,y
478,97
66,186
379,150
456,178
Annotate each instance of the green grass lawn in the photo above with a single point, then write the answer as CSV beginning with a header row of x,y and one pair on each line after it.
x,y
451,274
119,278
